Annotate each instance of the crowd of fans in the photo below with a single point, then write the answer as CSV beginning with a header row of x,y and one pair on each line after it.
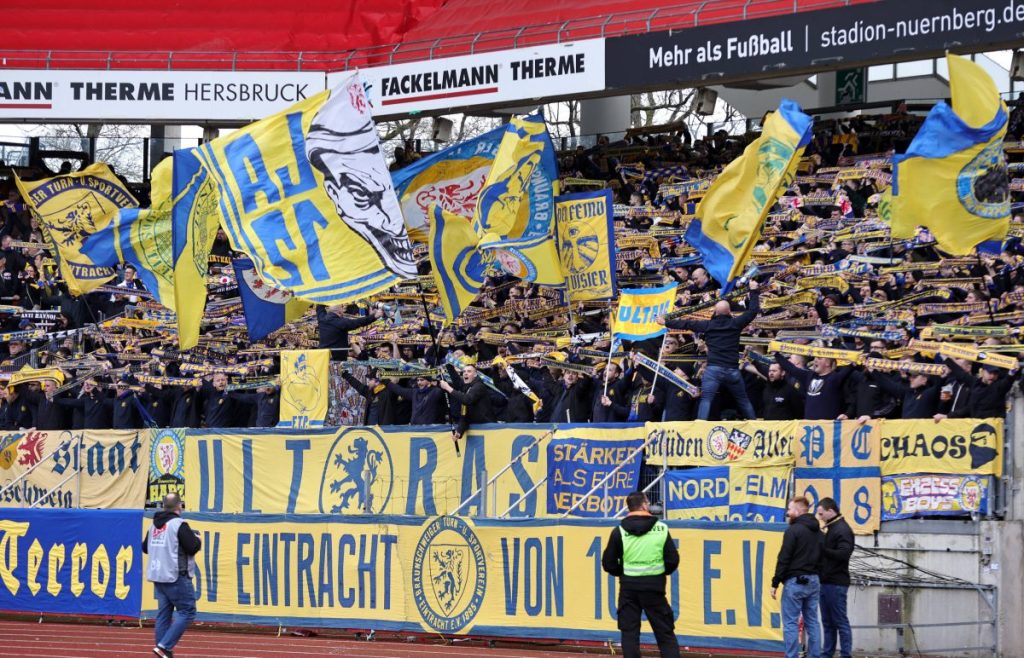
x,y
406,369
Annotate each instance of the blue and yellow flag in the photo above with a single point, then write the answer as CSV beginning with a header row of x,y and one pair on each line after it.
x,y
953,177
729,218
307,195
266,308
141,237
304,390
458,266
194,220
71,208
638,310
451,178
586,244
518,199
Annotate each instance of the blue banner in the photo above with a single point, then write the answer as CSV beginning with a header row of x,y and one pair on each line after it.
x,y
728,493
72,562
575,467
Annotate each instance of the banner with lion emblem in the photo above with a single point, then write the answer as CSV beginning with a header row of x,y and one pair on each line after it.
x,y
73,207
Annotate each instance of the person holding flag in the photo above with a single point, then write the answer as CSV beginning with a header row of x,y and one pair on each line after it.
x,y
722,337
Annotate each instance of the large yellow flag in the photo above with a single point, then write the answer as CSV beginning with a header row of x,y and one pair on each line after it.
x,y
307,195
953,177
142,237
729,218
194,220
458,266
71,208
304,377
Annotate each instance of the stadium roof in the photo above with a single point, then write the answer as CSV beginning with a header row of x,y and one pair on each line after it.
x,y
268,34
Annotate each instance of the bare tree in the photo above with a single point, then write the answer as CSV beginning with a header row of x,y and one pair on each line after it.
x,y
119,145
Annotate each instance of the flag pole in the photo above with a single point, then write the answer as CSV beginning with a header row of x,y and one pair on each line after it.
x,y
437,361
658,370
611,348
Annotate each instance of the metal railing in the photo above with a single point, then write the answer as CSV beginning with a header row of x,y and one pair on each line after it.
x,y
687,14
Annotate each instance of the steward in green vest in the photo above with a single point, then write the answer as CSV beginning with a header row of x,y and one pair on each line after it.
x,y
641,553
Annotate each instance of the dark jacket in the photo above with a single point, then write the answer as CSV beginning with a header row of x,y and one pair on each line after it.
x,y
866,397
188,542
987,400
801,550
824,395
781,401
218,407
268,406
920,402
48,414
125,411
476,405
380,402
722,333
17,415
837,547
95,413
184,408
634,405
616,393
334,329
427,403
611,559
572,404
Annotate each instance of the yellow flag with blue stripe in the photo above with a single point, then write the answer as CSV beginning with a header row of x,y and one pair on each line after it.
x,y
307,195
639,308
141,237
953,178
304,391
71,208
194,220
518,198
457,265
729,219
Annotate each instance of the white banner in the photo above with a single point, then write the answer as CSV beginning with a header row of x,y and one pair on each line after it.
x,y
173,96
523,74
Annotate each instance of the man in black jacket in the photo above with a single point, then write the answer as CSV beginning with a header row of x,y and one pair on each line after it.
x,y
475,400
988,389
91,404
572,404
641,553
602,410
334,328
919,393
781,400
380,401
428,406
835,579
797,571
722,338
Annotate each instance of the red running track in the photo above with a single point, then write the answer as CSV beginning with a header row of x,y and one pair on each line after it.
x,y
63,640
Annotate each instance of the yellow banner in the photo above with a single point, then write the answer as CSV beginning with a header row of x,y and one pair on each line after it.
x,y
450,575
73,207
114,467
713,443
850,356
956,445
841,460
304,377
969,352
586,244
411,471
639,308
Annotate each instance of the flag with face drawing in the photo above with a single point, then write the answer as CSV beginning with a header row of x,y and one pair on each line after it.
x,y
307,195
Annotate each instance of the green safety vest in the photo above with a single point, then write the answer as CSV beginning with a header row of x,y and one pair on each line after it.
x,y
644,555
